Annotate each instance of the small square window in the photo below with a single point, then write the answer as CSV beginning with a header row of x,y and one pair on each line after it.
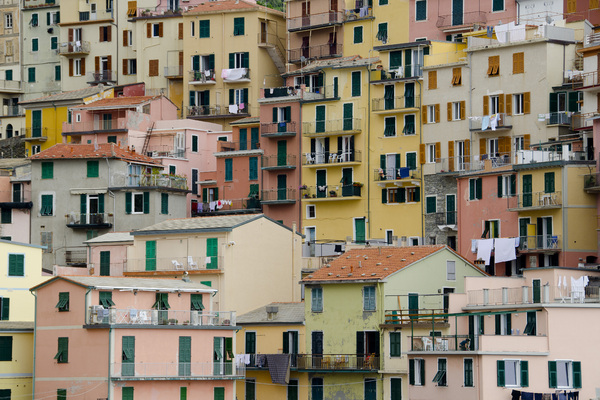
x,y
311,211
63,301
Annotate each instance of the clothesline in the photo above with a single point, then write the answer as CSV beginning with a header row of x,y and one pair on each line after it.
x,y
504,249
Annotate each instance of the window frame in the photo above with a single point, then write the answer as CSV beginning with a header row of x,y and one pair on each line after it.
x,y
369,298
441,377
133,196
397,343
18,271
236,26
8,20
468,374
430,149
456,111
451,275
427,199
309,214
355,30
64,299
44,213
475,189
518,104
316,303
417,10
431,114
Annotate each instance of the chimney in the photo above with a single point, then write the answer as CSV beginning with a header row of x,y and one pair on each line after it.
x,y
272,312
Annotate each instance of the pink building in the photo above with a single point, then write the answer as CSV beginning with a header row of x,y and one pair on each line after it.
x,y
126,338
448,19
511,336
15,200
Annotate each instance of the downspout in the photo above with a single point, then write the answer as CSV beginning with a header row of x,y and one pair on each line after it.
x,y
111,194
368,148
110,359
422,174
34,343
86,305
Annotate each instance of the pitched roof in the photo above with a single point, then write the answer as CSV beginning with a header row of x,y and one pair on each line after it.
x,y
115,102
287,313
229,5
218,223
111,237
91,151
71,95
371,264
117,282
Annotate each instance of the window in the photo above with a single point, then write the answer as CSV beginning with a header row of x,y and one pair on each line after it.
x,y
358,34
6,216
432,114
316,299
518,63
8,75
8,20
292,390
497,5
356,83
47,208
468,372
93,169
105,299
238,26
513,373
549,182
495,104
420,10
382,32
390,127
16,265
63,301
6,344
531,328
457,110
503,324
164,203
57,73
395,59
564,374
152,67
369,302
395,344
440,376
228,169
34,44
475,188
34,20
137,203
130,66
413,194
61,394
491,229
450,270
204,28
395,388
370,389
517,100
507,185
432,81
311,211
411,160
409,125
416,371
183,393
78,66
493,66
431,206
250,389
62,356
239,60
253,168
194,143
31,74
105,33
316,389
456,76
431,152
154,30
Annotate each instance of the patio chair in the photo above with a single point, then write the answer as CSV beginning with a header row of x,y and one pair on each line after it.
x,y
177,265
191,263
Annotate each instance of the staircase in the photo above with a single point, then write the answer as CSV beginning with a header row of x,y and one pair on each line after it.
x,y
272,43
147,139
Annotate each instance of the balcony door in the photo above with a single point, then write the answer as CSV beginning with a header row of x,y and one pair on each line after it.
x,y
317,348
321,183
281,187
282,152
93,207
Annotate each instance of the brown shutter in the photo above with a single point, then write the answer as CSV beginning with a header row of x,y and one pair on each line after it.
x,y
70,67
148,30
432,84
83,66
181,58
153,68
109,63
482,146
422,153
125,67
101,34
509,104
437,113
180,31
526,103
160,29
438,151
500,103
109,33
526,141
463,110
97,64
457,76
125,41
424,115
486,105
449,111
467,150
451,155
70,34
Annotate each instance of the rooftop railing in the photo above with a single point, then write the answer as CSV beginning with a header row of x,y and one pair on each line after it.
x,y
177,371
457,19
174,264
523,295
315,52
331,127
112,316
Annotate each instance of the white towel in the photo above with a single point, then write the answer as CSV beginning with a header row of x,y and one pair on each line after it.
x,y
233,109
505,250
517,241
473,245
207,260
485,122
484,250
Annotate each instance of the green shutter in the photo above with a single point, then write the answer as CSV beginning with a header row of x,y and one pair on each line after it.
x,y
524,373
63,350
500,370
127,202
205,28
253,168
16,265
238,26
421,6
356,84
499,185
31,75
552,374
231,65
573,99
5,308
105,263
395,59
146,202
164,203
6,345
151,255
183,393
401,195
576,374
93,169
553,102
246,64
478,189
549,182
411,161
219,393
61,394
34,44
195,143
395,344
513,185
212,251
101,203
411,371
384,196
228,169
127,393
83,205
192,98
358,34
286,343
431,205
47,167
185,355
320,118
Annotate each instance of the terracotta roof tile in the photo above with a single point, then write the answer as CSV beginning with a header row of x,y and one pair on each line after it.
x,y
372,263
90,151
118,101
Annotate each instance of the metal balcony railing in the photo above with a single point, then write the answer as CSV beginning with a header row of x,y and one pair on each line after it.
x,y
559,118
33,133
198,77
218,110
331,158
393,317
314,52
173,264
491,123
11,111
455,19
406,71
278,161
529,295
275,195
248,203
73,48
130,316
174,71
315,20
102,76
157,180
441,343
165,151
539,200
392,174
331,127
175,370
278,128
99,220
395,103
332,191
348,362
540,242
354,14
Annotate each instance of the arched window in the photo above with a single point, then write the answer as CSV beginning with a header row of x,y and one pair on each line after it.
x,y
9,130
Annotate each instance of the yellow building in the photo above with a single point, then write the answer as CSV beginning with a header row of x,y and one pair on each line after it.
x,y
16,352
230,49
44,117
270,332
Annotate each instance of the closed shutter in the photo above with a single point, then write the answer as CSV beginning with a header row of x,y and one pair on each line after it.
x,y
500,379
486,105
180,31
246,60
509,104
449,110
128,202
411,371
499,185
479,188
108,33
501,103
422,158
160,29
212,251
552,378
526,102
146,202
576,374
6,345
437,113
219,393
71,66
356,83
164,203
549,182
524,373
424,114
432,81
125,37
125,65
5,308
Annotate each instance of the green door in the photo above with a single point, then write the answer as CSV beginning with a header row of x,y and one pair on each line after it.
x,y
527,188
185,355
537,294
347,187
359,230
105,263
450,210
348,117
244,139
212,251
321,183
389,97
413,304
151,255
370,389
36,123
282,187
128,356
409,95
282,152
253,138
320,119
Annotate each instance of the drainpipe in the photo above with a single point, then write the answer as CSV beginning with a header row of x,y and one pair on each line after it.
x,y
368,147
86,305
422,174
109,390
34,343
111,194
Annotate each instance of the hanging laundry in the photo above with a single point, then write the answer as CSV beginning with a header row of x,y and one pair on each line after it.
x,y
473,245
494,119
233,109
484,250
485,123
505,250
526,396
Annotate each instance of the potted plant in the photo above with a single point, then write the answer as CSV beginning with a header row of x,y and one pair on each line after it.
x,y
357,184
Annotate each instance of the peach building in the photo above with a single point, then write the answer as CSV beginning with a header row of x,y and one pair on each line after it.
x,y
126,338
512,334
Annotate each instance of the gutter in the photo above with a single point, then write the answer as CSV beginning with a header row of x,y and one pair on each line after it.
x,y
34,343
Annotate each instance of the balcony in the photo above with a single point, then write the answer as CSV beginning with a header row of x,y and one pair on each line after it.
x,y
207,111
278,162
582,121
327,192
96,126
446,219
154,12
327,50
174,72
540,244
407,72
103,76
76,48
17,199
300,92
206,77
591,183
396,104
333,159
177,371
482,124
452,21
559,118
230,146
90,220
97,315
39,134
421,315
11,111
315,21
538,201
235,75
516,342
589,81
527,295
278,196
165,151
338,362
333,127
75,257
278,129
157,181
236,206
11,86
363,13
191,264
396,174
